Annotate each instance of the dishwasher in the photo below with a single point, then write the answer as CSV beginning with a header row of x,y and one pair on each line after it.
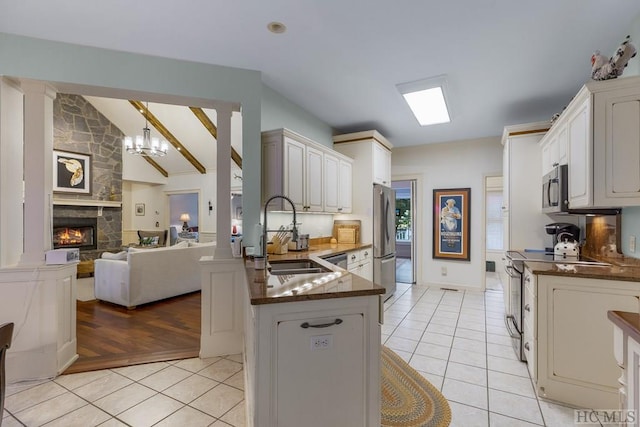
x,y
339,259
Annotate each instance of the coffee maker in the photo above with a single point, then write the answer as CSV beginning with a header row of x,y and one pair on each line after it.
x,y
562,231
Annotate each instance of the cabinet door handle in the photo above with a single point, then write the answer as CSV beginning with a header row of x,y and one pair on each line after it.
x,y
526,346
527,279
527,307
306,325
339,209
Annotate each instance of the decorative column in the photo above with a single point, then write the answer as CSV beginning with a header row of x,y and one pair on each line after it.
x,y
11,171
223,181
38,170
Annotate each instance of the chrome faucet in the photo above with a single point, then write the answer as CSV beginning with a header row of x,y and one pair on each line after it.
x,y
294,230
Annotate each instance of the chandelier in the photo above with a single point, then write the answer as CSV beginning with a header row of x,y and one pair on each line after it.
x,y
145,144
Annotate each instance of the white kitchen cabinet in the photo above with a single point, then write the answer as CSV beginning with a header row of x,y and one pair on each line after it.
x,y
522,219
616,146
299,374
337,183
522,188
294,166
530,329
360,262
331,359
381,165
371,154
554,149
575,363
581,158
602,125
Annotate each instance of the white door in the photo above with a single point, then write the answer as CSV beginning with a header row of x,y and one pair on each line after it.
x,y
345,204
294,158
313,180
331,183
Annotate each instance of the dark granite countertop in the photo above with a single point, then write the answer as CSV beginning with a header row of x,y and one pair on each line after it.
x,y
627,321
337,283
624,272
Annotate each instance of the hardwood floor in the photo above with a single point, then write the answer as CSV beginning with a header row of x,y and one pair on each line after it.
x,y
111,336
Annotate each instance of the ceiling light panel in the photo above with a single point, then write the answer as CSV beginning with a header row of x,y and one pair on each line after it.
x,y
427,99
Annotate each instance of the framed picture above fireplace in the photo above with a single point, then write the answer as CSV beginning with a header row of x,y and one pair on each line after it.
x,y
71,172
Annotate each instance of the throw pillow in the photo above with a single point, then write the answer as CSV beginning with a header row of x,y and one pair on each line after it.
x,y
119,255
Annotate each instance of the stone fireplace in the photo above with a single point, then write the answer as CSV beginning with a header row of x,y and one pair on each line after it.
x,y
102,222
75,233
96,217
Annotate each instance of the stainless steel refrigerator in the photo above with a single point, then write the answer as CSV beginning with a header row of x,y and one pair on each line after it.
x,y
384,238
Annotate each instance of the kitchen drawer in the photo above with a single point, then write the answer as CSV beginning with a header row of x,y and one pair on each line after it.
x,y
353,258
530,345
529,281
366,254
529,312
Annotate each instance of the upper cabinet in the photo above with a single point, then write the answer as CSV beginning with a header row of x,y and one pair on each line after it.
x,y
598,136
554,149
310,174
337,183
373,152
381,165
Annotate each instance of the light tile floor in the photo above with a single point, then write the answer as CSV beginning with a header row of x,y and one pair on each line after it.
x,y
457,340
190,392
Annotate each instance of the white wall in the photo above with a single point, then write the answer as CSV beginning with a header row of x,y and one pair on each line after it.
x,y
450,165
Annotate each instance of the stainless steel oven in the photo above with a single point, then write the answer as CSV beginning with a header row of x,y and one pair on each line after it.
x,y
513,320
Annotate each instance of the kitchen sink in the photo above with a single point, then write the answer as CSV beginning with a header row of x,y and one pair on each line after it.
x,y
296,267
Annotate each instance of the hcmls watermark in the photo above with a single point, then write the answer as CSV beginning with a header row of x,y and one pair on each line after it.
x,y
604,416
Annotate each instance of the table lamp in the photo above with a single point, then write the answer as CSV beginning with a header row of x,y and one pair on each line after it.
x,y
184,218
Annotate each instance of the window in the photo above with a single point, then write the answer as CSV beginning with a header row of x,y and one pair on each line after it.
x,y
494,226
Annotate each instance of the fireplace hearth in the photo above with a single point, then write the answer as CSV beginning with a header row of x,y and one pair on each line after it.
x,y
75,233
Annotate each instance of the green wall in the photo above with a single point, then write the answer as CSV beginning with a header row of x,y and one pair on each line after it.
x,y
279,112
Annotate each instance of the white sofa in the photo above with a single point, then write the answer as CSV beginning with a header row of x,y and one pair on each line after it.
x,y
148,275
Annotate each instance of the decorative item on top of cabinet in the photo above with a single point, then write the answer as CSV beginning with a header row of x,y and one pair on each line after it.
x,y
302,170
603,144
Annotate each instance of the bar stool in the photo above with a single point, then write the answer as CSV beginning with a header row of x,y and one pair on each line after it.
x,y
6,332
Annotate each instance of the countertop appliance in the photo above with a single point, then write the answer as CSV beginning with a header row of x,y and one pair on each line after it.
x,y
384,238
555,190
566,250
562,231
302,244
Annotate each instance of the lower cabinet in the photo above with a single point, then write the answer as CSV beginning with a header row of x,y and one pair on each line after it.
x,y
575,363
360,263
313,363
324,371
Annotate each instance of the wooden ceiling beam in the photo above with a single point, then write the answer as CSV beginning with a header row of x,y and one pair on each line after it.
x,y
213,130
142,109
153,163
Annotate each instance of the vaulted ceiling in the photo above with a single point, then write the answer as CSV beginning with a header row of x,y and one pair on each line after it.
x,y
184,124
506,61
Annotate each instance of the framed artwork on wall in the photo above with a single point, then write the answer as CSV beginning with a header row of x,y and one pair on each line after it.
x,y
139,209
71,172
451,219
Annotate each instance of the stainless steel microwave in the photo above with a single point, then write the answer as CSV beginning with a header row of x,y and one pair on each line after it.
x,y
555,190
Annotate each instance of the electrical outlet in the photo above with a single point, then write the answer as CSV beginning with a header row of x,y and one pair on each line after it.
x,y
632,243
321,342
443,271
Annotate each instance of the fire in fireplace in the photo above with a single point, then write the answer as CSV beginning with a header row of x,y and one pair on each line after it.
x,y
75,233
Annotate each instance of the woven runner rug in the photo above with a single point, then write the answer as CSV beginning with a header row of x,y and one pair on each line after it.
x,y
408,399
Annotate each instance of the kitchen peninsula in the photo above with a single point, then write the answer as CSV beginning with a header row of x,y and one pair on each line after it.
x,y
568,338
312,345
